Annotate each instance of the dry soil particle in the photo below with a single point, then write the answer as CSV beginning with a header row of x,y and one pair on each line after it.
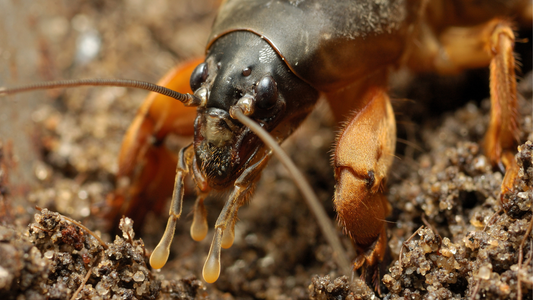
x,y
323,288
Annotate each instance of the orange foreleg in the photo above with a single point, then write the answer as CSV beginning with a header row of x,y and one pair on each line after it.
x,y
362,158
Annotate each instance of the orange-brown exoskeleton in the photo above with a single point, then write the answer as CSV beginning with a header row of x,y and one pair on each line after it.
x,y
271,61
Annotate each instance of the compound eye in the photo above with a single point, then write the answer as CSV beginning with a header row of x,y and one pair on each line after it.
x,y
266,92
198,76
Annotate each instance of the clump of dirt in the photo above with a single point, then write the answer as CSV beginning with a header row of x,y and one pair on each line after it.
x,y
324,288
22,267
479,258
518,201
58,259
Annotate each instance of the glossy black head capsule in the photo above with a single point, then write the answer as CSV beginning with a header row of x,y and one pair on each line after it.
x,y
242,65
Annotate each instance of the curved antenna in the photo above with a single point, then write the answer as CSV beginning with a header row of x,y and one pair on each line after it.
x,y
187,99
310,197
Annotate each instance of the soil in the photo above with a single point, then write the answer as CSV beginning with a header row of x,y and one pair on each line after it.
x,y
59,152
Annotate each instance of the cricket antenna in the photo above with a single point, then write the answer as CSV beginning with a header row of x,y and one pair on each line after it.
x,y
328,230
187,99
